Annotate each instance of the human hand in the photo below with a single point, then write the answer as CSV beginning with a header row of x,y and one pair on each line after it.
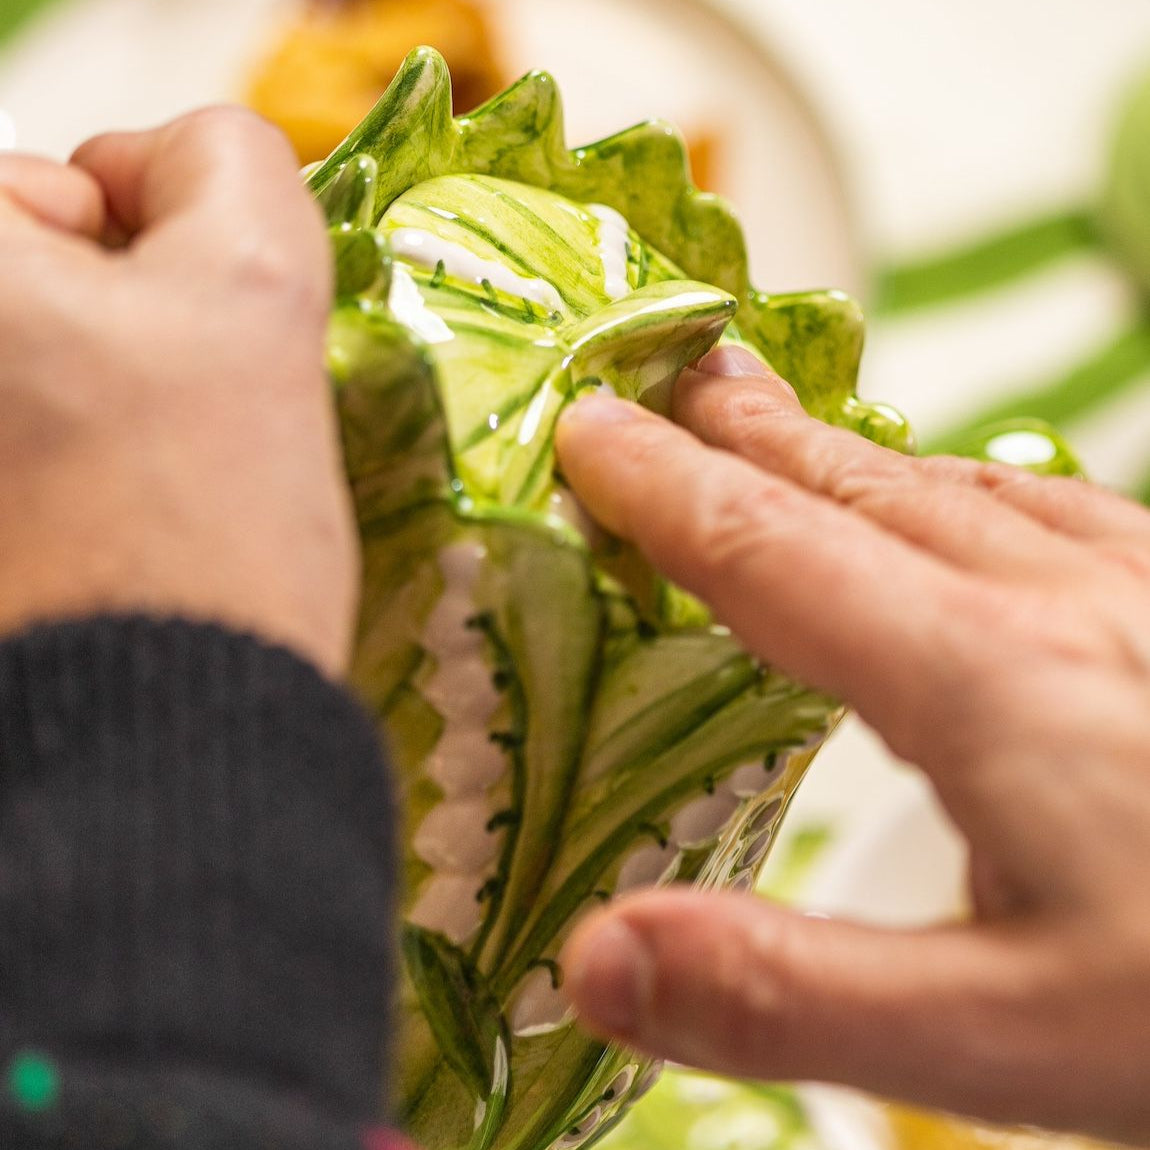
x,y
167,439
994,627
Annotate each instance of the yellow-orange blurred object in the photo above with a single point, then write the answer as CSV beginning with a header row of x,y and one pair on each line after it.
x,y
914,1130
336,60
705,147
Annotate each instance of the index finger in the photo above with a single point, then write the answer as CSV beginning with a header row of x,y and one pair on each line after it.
x,y
731,400
808,585
211,183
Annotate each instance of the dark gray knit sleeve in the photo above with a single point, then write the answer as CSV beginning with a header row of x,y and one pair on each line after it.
x,y
197,892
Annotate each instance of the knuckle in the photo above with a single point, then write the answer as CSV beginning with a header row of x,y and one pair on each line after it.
x,y
237,142
856,481
263,265
744,414
1001,480
760,994
858,474
776,957
730,529
272,270
750,404
955,469
754,416
645,447
226,123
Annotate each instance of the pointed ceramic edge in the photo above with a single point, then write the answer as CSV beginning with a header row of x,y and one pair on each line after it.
x,y
644,174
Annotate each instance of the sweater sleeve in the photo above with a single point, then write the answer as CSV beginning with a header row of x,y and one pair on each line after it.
x,y
197,893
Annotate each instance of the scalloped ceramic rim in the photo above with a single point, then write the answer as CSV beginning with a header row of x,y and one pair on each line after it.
x,y
749,48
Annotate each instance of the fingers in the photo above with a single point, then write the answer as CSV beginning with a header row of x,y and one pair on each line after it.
x,y
806,584
1080,510
56,195
733,984
217,184
733,402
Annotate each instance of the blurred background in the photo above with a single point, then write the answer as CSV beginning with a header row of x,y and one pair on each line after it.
x,y
977,174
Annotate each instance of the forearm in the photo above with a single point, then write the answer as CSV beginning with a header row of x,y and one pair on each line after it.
x,y
198,886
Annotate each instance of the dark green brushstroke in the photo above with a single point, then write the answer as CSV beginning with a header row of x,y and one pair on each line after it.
x,y
14,14
985,264
1098,380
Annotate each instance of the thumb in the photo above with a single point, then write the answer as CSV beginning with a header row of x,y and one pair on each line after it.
x,y
733,984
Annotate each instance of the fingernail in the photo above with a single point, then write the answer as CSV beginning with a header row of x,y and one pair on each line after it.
x,y
598,407
732,362
610,979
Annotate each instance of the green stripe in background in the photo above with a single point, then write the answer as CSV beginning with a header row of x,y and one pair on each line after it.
x,y
1102,377
986,264
1142,491
14,14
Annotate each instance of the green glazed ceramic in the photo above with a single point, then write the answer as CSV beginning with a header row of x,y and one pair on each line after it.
x,y
567,725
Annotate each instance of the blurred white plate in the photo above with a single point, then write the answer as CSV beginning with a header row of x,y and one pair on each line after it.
x,y
90,65
898,863
883,851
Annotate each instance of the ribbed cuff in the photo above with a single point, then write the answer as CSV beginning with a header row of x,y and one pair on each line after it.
x,y
98,1107
196,862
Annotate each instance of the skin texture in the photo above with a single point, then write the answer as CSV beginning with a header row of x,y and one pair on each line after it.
x,y
993,628
167,442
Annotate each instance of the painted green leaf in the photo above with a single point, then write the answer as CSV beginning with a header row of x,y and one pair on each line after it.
x,y
464,1014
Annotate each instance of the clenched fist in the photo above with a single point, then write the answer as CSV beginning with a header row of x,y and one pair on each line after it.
x,y
167,441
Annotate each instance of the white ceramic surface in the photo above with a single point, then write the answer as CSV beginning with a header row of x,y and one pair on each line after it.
x,y
896,860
